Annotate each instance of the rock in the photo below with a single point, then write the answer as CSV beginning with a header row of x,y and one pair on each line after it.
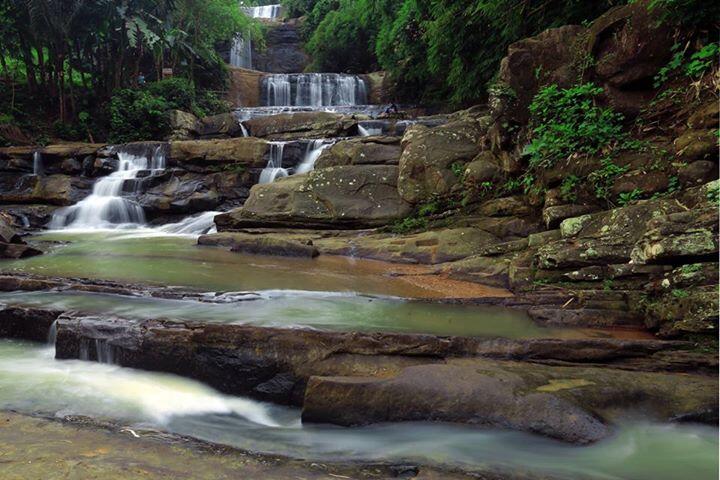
x,y
301,125
555,216
32,324
361,151
705,117
648,182
629,45
545,59
698,172
260,244
223,125
8,234
506,207
697,145
681,237
351,196
207,154
538,239
683,312
244,87
283,51
429,154
570,404
483,168
29,216
182,124
60,190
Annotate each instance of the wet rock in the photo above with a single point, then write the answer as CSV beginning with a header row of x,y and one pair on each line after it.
x,y
261,244
305,125
60,190
283,52
208,154
223,125
361,151
570,404
351,196
26,323
426,163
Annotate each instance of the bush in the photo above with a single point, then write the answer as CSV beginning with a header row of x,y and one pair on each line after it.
x,y
567,122
137,115
178,93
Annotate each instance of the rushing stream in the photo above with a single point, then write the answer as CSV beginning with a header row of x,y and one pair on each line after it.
x,y
31,381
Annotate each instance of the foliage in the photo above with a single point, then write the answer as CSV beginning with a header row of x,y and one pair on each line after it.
x,y
137,114
566,122
696,66
629,197
700,14
679,293
568,188
713,195
602,178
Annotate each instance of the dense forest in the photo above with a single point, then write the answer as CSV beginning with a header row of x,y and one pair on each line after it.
x,y
82,58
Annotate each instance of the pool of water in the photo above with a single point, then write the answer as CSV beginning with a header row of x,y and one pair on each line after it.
x,y
321,310
176,260
32,381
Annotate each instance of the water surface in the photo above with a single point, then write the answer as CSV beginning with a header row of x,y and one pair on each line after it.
x,y
32,381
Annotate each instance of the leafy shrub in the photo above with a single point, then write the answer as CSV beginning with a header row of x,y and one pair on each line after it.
x,y
629,197
136,114
568,188
567,121
177,93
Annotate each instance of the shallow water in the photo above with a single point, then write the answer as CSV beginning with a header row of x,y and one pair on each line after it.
x,y
148,257
321,310
31,381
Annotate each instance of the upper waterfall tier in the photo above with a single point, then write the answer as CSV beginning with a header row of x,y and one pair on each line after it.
x,y
313,90
264,11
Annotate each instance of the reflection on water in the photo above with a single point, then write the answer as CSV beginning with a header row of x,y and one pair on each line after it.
x,y
32,381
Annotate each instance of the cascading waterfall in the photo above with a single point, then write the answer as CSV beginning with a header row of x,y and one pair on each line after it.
x,y
264,11
274,168
312,153
314,90
106,207
241,52
37,163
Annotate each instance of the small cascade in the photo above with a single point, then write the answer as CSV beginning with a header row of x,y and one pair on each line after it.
x,y
264,11
38,163
314,90
241,52
52,334
195,225
367,129
104,352
274,168
107,206
312,153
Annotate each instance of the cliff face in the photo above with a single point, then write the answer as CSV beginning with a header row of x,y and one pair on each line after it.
x,y
283,52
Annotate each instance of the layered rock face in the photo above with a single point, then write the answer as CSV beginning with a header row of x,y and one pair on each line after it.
x,y
283,52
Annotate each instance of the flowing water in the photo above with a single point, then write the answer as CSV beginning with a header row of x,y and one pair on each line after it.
x,y
241,52
110,205
32,381
313,152
37,163
274,168
313,90
264,11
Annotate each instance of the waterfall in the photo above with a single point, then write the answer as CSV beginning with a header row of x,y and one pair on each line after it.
x,y
104,352
241,52
52,334
314,90
264,11
195,225
312,153
37,163
274,168
366,130
106,207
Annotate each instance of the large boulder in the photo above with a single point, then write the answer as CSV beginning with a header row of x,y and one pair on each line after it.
x,y
361,151
347,196
244,87
223,125
58,190
207,154
429,155
11,245
292,126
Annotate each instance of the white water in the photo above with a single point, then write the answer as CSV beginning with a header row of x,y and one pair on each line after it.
x,y
107,206
369,131
314,90
241,52
313,152
195,225
274,169
37,163
264,11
